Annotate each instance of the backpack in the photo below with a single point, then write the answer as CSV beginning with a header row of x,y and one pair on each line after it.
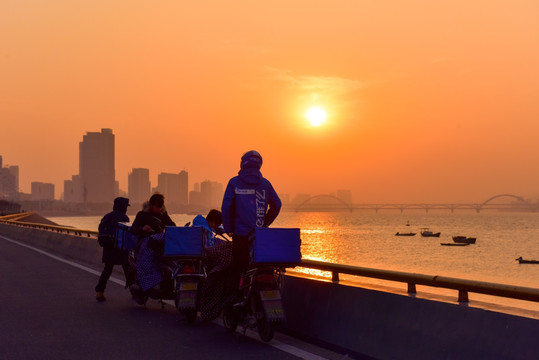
x,y
107,228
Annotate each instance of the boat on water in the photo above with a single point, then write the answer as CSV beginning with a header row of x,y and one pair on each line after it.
x,y
454,244
405,234
522,261
425,232
464,240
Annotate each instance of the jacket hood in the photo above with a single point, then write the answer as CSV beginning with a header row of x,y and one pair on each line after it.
x,y
121,204
250,176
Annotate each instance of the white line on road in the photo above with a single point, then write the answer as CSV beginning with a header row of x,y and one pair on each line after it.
x,y
275,343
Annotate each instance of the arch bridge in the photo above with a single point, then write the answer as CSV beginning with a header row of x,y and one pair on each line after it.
x,y
337,204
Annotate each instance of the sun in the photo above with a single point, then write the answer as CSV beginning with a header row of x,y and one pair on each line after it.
x,y
316,116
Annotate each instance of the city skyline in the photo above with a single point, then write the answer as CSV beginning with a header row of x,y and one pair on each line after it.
x,y
415,101
142,173
209,194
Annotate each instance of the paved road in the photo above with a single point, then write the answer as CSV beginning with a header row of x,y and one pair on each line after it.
x,y
48,311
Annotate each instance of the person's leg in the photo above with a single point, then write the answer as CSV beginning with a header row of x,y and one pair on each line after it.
x,y
129,275
240,253
102,283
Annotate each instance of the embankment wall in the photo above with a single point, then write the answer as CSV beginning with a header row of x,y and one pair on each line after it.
x,y
362,322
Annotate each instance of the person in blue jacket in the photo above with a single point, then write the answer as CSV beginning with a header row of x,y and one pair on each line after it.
x,y
211,224
249,202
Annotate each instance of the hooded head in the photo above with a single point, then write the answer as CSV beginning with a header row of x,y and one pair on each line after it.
x,y
251,160
121,204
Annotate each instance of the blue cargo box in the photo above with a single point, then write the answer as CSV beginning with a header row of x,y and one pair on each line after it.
x,y
124,239
182,241
278,246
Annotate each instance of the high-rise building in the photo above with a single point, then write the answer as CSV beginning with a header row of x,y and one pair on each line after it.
x,y
42,191
9,182
73,190
211,193
96,166
195,198
14,170
138,185
169,185
174,187
184,188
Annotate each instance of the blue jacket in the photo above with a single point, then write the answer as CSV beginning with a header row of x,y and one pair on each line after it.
x,y
200,220
249,202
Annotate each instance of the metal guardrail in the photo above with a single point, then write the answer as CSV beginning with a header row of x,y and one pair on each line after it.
x,y
463,286
60,229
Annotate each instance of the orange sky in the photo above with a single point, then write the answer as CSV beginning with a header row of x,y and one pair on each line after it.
x,y
427,100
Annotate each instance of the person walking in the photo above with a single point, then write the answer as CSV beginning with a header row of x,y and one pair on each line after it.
x,y
249,202
111,255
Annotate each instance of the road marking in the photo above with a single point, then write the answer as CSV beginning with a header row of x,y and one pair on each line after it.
x,y
275,343
74,264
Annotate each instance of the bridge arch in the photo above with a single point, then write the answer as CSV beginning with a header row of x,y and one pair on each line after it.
x,y
347,205
520,199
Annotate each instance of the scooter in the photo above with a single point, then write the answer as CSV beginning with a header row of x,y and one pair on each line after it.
x,y
188,277
160,292
182,265
182,281
260,307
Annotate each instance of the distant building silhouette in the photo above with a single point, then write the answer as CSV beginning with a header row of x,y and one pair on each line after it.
x,y
96,166
42,191
9,182
212,193
195,196
138,185
174,187
73,190
208,194
184,188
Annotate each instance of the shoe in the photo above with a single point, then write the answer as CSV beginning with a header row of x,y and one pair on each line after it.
x,y
100,296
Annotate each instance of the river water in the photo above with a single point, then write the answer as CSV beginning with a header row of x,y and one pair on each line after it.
x,y
368,239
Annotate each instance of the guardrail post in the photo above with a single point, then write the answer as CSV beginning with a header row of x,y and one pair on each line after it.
x,y
463,296
411,288
334,276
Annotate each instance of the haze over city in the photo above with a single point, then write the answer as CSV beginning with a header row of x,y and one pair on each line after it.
x,y
414,101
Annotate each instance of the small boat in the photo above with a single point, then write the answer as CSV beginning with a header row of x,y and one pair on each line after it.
x,y
464,239
425,232
454,244
405,234
522,261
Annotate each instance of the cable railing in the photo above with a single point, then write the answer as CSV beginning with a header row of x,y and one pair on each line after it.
x,y
59,229
463,286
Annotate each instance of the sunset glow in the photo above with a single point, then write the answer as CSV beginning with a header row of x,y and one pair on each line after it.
x,y
334,95
316,116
